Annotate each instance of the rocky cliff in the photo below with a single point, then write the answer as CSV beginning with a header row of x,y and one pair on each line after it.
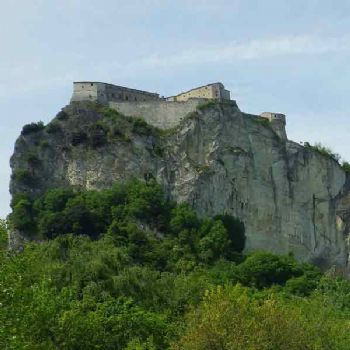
x,y
220,160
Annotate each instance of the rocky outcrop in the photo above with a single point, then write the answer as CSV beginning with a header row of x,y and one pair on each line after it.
x,y
291,198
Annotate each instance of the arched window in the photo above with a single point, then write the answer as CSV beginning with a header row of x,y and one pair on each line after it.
x,y
126,98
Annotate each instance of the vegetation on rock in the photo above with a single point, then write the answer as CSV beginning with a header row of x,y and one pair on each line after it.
x,y
32,128
324,151
346,167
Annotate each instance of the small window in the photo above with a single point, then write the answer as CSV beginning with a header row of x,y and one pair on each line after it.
x,y
120,96
82,86
92,84
112,95
126,98
135,99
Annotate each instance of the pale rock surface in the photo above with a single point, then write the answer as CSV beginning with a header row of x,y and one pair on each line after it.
x,y
219,160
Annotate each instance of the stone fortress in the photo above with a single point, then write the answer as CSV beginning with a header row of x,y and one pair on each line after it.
x,y
105,93
162,112
214,91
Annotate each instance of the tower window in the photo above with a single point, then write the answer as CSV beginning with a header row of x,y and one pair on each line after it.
x,y
92,84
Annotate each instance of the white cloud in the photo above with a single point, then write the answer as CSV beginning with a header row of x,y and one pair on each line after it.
x,y
39,76
252,50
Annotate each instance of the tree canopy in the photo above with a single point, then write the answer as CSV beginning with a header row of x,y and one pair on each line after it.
x,y
126,269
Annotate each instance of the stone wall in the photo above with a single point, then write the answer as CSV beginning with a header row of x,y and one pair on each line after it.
x,y
161,114
104,93
87,91
278,123
214,91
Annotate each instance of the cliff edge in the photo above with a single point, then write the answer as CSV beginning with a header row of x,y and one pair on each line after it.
x,y
291,198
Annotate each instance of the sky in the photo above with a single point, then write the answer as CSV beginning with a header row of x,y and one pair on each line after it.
x,y
273,55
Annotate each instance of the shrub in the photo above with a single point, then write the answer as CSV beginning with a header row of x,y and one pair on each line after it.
x,y
32,128
53,128
109,113
233,318
236,232
22,216
23,177
208,104
346,167
324,151
62,115
98,135
32,159
44,144
262,270
141,127
78,138
263,121
3,235
158,151
302,285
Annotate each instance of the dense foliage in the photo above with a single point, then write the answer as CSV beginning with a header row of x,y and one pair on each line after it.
x,y
136,216
32,128
126,269
324,151
346,167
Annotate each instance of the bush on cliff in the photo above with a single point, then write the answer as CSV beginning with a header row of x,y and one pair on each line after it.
x,y
3,235
346,167
324,151
32,128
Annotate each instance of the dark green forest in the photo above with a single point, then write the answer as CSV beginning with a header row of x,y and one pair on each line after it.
x,y
125,268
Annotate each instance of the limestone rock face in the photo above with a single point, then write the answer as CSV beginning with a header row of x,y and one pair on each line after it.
x,y
219,160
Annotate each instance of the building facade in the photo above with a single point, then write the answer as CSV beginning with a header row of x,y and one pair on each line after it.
x,y
278,123
105,93
271,116
215,91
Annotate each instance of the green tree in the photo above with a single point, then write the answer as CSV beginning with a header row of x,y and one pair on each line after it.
x,y
264,269
3,235
233,318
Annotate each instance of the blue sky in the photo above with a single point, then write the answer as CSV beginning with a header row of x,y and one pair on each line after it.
x,y
284,56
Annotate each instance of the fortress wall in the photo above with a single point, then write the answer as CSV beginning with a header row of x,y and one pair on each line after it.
x,y
214,91
87,91
119,93
278,123
103,93
161,114
201,92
